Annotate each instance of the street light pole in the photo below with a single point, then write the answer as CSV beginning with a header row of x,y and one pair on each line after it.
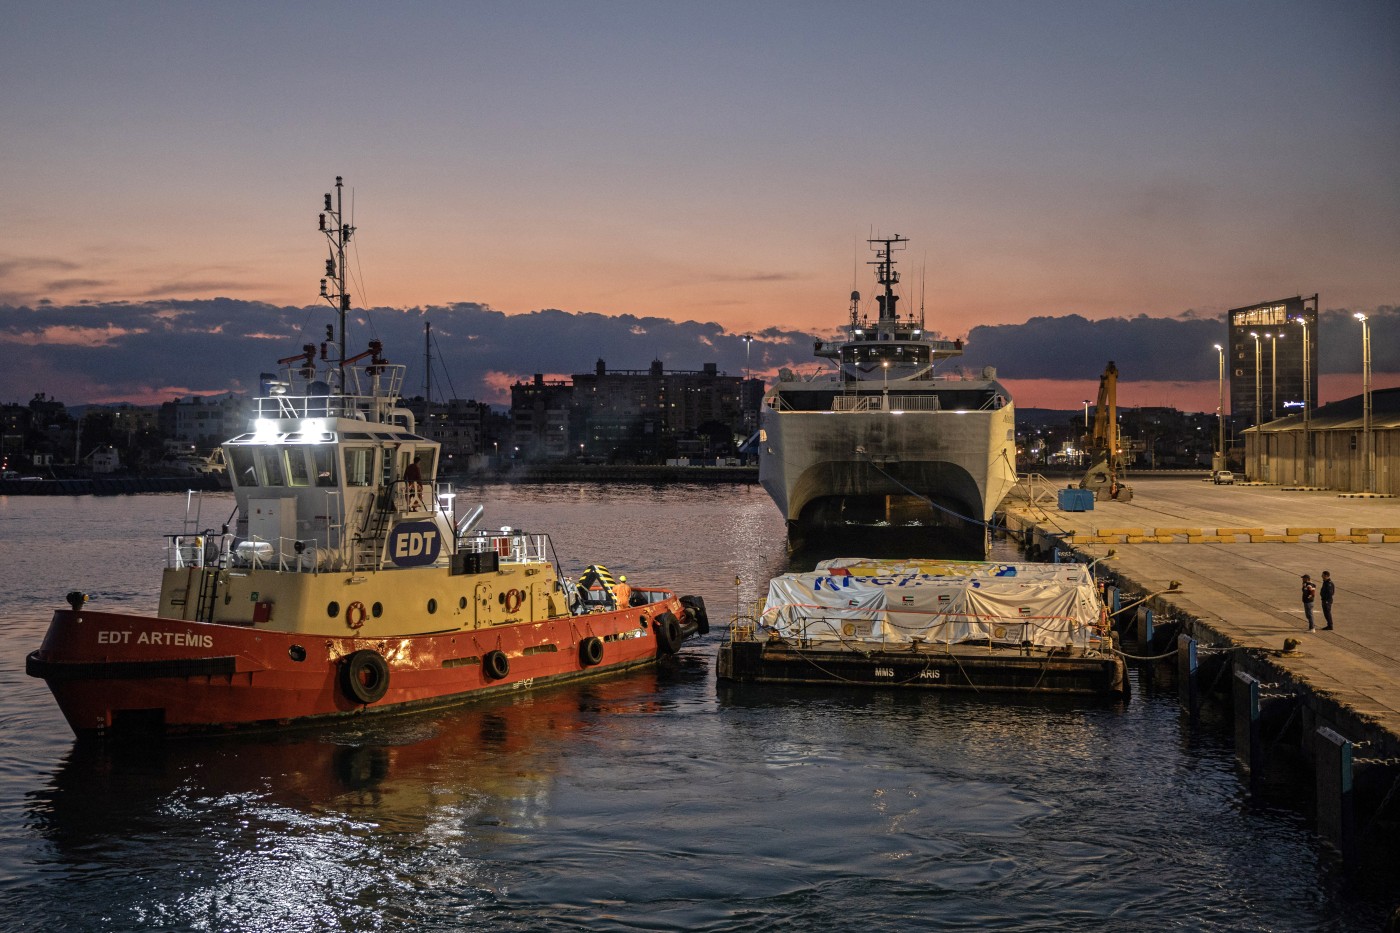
x,y
1258,383
1273,372
1220,413
1369,463
1086,414
1307,403
748,345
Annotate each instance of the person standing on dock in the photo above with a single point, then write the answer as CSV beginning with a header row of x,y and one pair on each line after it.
x,y
1328,589
1309,594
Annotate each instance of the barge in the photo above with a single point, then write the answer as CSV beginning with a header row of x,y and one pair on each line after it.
x,y
931,625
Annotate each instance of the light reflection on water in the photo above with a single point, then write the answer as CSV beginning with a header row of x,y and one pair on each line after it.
x,y
650,801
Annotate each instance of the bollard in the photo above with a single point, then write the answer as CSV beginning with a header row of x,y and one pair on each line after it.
x,y
1249,747
1188,671
1333,768
1144,627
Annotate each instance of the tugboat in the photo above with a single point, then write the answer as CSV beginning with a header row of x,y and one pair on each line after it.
x,y
344,583
883,444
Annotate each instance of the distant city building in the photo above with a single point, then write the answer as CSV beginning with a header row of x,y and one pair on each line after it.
x,y
205,423
540,414
1268,371
633,415
461,426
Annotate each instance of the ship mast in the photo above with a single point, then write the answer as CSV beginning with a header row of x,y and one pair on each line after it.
x,y
886,276
338,234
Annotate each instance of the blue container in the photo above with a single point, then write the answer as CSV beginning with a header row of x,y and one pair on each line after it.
x,y
1076,500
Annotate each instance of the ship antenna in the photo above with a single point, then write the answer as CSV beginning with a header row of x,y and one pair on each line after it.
x,y
886,276
923,282
338,234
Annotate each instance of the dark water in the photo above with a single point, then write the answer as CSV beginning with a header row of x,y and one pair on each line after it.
x,y
652,801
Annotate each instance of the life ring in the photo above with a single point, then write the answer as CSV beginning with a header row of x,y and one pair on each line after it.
x,y
495,665
695,606
355,614
365,676
668,633
513,599
590,651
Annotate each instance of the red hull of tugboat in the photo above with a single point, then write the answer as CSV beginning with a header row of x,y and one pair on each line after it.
x,y
111,671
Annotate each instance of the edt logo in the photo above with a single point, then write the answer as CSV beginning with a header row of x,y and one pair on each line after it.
x,y
414,544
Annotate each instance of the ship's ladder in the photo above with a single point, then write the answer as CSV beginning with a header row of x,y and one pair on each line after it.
x,y
369,546
208,590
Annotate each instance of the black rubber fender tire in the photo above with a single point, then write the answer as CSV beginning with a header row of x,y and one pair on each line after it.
x,y
365,676
668,633
696,605
495,665
590,651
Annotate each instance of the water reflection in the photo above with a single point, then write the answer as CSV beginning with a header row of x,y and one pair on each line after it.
x,y
317,829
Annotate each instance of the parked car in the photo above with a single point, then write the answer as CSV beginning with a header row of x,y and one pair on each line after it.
x,y
1220,477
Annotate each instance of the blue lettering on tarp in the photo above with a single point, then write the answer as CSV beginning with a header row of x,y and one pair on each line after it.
x,y
414,544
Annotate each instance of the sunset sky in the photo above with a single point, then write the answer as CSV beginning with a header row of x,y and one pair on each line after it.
x,y
555,182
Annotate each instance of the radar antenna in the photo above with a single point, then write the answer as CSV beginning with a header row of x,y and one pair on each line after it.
x,y
338,234
885,274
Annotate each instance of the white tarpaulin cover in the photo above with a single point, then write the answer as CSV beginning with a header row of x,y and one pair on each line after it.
x,y
893,602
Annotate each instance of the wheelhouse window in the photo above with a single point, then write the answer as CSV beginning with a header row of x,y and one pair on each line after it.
x,y
298,473
270,469
244,464
875,354
359,466
324,456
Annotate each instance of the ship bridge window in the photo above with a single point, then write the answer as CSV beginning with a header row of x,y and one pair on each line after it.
x,y
359,466
325,465
298,474
245,470
427,465
902,353
270,471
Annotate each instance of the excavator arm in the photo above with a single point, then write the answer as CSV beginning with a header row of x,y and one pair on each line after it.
x,y
1104,459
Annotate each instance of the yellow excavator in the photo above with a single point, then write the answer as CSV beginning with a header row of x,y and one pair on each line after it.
x,y
1106,461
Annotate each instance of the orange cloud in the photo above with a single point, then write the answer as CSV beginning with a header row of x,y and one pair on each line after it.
x,y
70,336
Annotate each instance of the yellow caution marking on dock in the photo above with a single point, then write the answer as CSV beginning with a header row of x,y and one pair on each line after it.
x,y
1313,531
1376,531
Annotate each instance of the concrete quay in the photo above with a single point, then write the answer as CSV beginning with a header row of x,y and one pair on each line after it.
x,y
1244,590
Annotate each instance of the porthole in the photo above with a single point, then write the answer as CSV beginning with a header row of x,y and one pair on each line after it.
x,y
501,598
377,610
332,609
462,603
297,652
432,606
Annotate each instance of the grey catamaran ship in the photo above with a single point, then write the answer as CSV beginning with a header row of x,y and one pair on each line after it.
x,y
884,442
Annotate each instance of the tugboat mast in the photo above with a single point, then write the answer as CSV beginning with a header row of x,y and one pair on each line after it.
x,y
886,276
338,234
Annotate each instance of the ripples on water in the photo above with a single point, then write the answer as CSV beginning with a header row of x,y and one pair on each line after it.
x,y
650,801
